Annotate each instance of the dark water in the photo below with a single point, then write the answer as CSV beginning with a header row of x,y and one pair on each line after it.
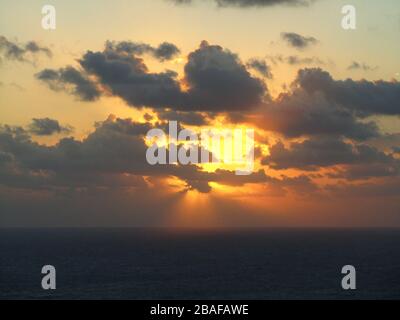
x,y
162,264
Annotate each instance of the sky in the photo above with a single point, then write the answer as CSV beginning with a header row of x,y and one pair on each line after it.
x,y
76,104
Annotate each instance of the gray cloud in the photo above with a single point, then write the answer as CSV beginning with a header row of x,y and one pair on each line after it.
x,y
296,60
80,182
388,141
367,171
112,157
261,67
325,152
360,66
219,81
62,79
114,149
47,127
128,78
185,118
216,78
301,184
298,41
317,104
362,97
165,51
298,113
19,52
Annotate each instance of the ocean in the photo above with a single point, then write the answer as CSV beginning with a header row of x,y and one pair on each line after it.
x,y
132,263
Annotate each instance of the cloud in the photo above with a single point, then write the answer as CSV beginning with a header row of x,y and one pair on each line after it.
x,y
325,152
165,51
47,127
360,66
185,118
111,159
128,77
104,179
219,81
225,177
33,47
299,113
115,148
261,67
20,52
252,3
362,97
296,60
317,104
216,79
65,78
301,184
367,171
298,41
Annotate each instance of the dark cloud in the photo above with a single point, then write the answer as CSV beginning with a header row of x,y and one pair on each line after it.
x,y
165,51
261,67
298,41
363,97
252,3
185,118
201,186
65,78
104,179
123,126
317,104
296,60
110,158
223,177
47,127
360,66
128,78
325,152
219,81
20,52
5,158
386,141
367,171
298,113
216,79
33,47
301,184
116,148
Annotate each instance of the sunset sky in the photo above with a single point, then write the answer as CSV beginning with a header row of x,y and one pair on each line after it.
x,y
77,102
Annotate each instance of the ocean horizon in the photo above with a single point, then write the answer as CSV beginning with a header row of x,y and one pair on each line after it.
x,y
227,264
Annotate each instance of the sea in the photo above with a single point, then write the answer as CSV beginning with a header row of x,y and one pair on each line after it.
x,y
190,264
